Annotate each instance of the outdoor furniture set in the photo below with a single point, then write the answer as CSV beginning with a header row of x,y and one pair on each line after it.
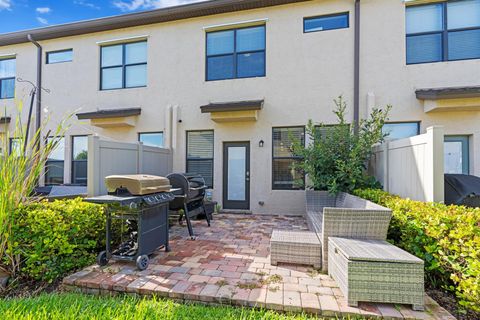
x,y
347,239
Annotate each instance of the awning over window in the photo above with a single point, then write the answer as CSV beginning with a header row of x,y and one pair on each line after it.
x,y
450,99
233,111
109,118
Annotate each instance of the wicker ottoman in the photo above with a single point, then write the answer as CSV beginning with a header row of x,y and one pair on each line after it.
x,y
376,271
295,247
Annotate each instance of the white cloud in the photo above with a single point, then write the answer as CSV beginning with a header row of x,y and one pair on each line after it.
x,y
132,5
42,20
43,9
86,4
5,5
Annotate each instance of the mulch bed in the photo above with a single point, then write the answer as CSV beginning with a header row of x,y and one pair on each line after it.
x,y
448,301
24,288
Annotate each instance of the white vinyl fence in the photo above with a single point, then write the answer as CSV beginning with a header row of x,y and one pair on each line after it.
x,y
412,167
112,157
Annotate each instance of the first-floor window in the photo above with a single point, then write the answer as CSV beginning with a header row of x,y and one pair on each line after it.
x,y
200,154
400,130
55,163
79,159
15,146
285,177
153,139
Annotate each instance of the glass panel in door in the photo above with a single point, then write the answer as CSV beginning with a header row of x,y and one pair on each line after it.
x,y
236,173
456,155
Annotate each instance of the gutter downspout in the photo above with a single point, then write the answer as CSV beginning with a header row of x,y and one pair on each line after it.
x,y
38,111
356,66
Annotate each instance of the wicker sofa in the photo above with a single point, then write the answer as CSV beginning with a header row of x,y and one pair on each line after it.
x,y
344,215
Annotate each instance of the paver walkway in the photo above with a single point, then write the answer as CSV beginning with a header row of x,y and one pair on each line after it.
x,y
229,263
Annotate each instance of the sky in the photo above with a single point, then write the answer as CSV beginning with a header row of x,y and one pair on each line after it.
x,y
16,15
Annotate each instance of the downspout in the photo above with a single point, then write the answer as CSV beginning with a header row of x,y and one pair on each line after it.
x,y
356,66
38,113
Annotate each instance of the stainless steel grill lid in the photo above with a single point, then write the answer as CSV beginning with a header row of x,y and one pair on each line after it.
x,y
137,184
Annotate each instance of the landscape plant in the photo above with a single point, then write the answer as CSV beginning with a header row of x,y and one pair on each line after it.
x,y
447,238
336,157
21,166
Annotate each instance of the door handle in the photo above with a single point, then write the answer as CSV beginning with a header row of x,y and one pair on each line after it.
x,y
248,173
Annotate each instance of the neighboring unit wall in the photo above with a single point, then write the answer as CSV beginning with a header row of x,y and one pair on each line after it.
x,y
111,157
412,167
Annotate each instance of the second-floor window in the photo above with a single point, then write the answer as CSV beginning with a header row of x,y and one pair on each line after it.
x,y
236,53
443,31
59,56
7,78
123,66
327,22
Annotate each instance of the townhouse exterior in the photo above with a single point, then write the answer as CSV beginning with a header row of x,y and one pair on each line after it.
x,y
226,83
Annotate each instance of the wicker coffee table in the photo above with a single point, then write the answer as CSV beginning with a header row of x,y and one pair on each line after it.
x,y
295,247
376,271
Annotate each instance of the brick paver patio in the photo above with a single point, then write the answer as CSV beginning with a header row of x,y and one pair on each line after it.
x,y
229,263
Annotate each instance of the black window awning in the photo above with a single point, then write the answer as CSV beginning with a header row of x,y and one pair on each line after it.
x,y
448,93
109,113
233,106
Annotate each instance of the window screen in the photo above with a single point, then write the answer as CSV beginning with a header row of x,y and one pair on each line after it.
x,y
200,154
284,176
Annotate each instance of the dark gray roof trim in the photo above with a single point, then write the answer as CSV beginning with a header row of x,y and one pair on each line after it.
x,y
110,113
193,10
448,93
5,119
233,106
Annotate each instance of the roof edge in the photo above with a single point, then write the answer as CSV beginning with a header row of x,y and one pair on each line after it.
x,y
193,10
448,93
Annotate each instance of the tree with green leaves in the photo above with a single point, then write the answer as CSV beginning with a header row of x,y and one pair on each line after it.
x,y
337,156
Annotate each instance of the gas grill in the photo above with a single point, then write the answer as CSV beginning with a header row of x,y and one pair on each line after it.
x,y
139,212
190,197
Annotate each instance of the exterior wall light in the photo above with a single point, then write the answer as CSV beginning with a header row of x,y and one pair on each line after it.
x,y
261,143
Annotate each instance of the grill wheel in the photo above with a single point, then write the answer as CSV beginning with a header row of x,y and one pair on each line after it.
x,y
142,262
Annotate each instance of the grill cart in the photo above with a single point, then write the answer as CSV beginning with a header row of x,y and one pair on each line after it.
x,y
189,197
143,216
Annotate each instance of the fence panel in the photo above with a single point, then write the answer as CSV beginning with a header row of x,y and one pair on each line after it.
x,y
112,157
412,167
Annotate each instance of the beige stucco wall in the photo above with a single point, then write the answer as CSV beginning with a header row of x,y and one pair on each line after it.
x,y
304,72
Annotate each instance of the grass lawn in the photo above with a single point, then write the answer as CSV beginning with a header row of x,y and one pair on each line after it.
x,y
78,306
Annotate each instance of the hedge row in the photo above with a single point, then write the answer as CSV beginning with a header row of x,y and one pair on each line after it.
x,y
447,238
55,238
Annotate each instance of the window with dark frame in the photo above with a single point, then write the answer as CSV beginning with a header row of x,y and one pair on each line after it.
x,y
123,66
326,22
59,56
400,130
284,176
79,159
444,31
15,146
7,78
153,139
55,163
200,154
235,53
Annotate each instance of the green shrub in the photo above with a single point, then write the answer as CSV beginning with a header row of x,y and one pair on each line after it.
x,y
447,238
54,238
336,157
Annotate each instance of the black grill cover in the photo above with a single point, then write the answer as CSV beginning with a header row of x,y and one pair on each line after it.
x,y
462,189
